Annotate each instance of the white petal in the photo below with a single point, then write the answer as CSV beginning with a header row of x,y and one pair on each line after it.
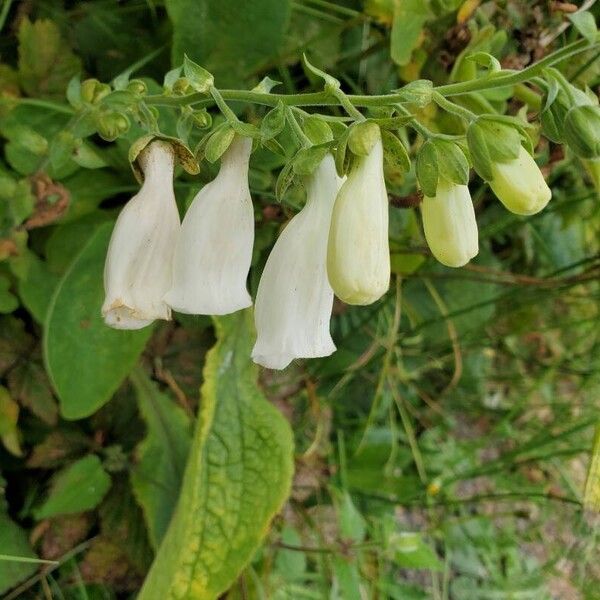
x,y
294,299
214,250
520,185
358,258
450,225
137,272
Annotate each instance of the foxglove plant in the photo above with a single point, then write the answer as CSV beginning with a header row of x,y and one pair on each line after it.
x,y
214,250
294,299
450,225
138,268
358,257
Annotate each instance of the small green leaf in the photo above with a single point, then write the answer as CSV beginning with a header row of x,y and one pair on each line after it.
x,y
409,18
46,63
77,488
9,415
417,92
266,85
200,79
85,359
427,169
585,23
485,59
13,541
161,457
331,83
284,180
236,480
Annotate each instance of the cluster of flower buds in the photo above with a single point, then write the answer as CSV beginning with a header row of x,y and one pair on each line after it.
x,y
338,243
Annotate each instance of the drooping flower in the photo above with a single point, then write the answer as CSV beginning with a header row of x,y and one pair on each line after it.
x,y
138,267
358,257
294,299
214,249
450,225
520,185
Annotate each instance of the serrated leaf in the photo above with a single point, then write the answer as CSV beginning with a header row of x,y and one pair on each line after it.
x,y
237,478
161,457
76,340
46,63
77,488
427,169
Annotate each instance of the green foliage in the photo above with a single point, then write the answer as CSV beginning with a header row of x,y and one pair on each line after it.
x,y
86,360
231,40
236,480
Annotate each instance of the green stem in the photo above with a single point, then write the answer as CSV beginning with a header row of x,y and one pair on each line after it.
x,y
302,138
220,102
365,101
418,127
451,107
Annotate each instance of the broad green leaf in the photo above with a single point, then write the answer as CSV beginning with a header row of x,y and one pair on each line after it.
x,y
13,541
85,359
409,18
237,478
77,488
585,23
230,39
46,63
428,169
156,478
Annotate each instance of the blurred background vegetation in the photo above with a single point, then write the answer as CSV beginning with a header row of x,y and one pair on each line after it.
x,y
440,453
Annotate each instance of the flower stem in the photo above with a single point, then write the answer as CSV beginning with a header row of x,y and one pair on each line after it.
x,y
453,108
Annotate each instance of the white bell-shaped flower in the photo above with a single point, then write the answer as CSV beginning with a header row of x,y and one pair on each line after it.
x,y
358,256
520,185
294,299
214,250
450,225
138,268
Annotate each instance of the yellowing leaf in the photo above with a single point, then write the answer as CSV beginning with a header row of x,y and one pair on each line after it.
x,y
591,496
9,415
237,477
46,63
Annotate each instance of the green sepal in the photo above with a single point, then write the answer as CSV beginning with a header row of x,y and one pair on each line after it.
x,y
417,92
362,137
582,131
284,180
394,152
341,155
427,169
317,130
307,160
218,142
452,162
273,122
183,154
266,85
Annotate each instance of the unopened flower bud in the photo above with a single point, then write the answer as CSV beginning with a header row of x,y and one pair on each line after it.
x,y
138,268
450,225
520,185
294,299
92,91
181,86
214,250
582,131
358,257
137,87
111,124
